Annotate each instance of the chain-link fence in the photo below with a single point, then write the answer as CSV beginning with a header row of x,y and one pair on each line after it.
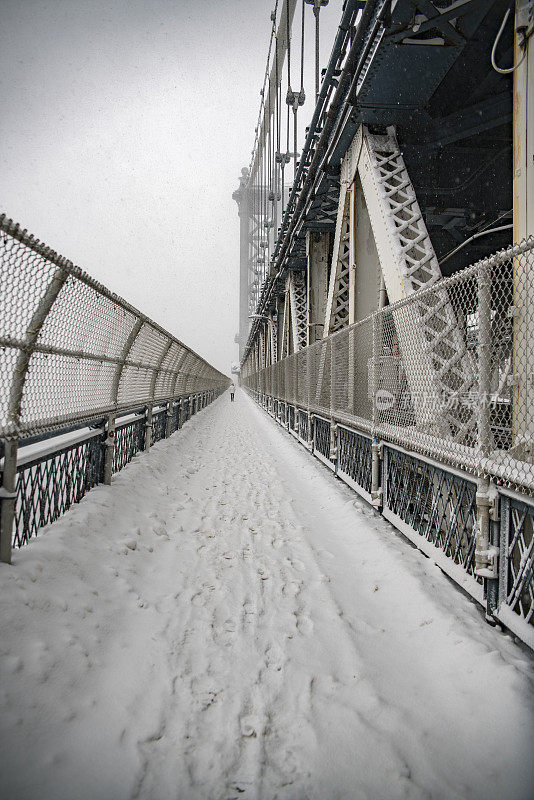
x,y
70,350
424,408
447,372
75,357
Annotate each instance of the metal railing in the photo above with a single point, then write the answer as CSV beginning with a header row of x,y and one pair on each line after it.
x,y
376,373
451,464
74,354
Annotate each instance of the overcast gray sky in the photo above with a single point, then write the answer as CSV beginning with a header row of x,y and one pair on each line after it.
x,y
124,127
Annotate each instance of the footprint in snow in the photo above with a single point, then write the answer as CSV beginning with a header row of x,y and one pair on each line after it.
x,y
292,589
304,625
249,726
201,597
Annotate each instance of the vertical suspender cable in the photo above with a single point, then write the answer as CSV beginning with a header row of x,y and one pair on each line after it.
x,y
299,99
302,50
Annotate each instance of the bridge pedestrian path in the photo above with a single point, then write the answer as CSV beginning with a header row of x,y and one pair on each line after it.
x,y
229,621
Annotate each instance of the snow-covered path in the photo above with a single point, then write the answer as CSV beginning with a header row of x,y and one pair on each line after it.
x,y
229,621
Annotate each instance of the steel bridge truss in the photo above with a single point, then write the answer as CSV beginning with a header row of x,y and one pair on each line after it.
x,y
351,399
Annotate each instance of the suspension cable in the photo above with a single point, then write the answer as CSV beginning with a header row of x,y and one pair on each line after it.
x,y
265,79
288,33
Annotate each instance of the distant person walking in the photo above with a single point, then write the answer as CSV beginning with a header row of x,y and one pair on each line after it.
x,y
232,392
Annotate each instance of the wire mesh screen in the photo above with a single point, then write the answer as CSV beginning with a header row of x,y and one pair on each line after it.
x,y
447,372
70,350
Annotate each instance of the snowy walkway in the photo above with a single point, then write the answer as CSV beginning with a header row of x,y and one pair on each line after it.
x,y
229,621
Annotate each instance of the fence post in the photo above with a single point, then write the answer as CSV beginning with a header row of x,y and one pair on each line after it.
x,y
376,446
333,425
148,427
7,499
486,555
308,398
109,445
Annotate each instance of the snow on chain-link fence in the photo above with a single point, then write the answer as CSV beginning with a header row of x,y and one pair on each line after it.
x,y
78,361
440,438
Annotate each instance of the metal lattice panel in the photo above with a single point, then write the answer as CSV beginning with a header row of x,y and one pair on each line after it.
x,y
436,504
321,436
354,457
517,548
129,440
273,328
291,418
429,328
337,310
48,486
175,424
284,344
159,423
297,298
304,425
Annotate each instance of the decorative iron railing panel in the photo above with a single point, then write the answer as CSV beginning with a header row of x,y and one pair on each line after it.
x,y
355,457
517,557
321,436
159,425
49,484
176,416
436,508
438,505
303,425
186,409
129,440
291,418
60,474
